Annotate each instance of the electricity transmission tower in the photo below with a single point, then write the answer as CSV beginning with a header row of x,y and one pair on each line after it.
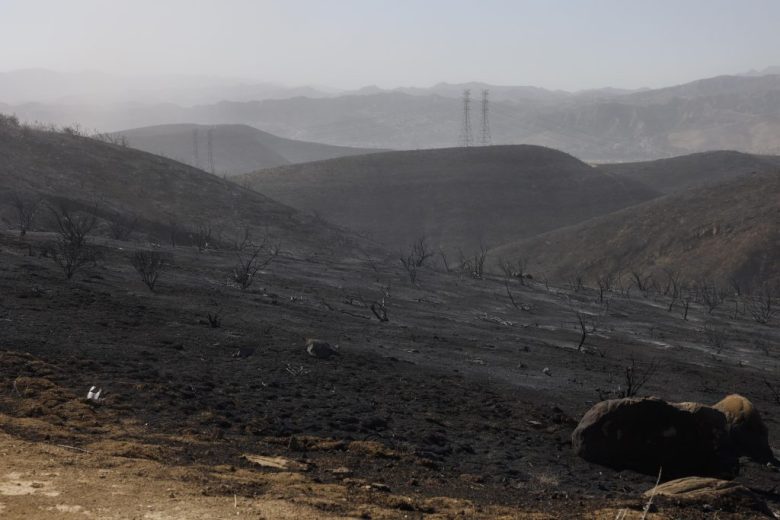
x,y
195,156
466,139
486,138
210,144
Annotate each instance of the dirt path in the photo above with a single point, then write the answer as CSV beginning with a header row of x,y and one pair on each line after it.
x,y
48,481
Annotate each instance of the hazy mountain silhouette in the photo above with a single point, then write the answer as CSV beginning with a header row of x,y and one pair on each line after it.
x,y
88,87
727,112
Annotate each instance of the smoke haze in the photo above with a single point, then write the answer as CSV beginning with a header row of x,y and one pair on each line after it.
x,y
352,43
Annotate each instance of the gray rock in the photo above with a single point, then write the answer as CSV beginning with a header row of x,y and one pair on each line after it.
x,y
321,349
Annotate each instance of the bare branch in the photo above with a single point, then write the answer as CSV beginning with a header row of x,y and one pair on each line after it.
x,y
26,206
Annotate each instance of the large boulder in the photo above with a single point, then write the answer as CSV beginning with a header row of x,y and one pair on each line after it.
x,y
648,434
746,429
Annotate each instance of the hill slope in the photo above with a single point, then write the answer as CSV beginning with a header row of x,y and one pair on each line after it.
x,y
162,192
458,197
678,173
719,232
198,418
235,148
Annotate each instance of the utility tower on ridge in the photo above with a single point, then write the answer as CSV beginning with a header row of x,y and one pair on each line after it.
x,y
486,138
210,142
466,138
195,155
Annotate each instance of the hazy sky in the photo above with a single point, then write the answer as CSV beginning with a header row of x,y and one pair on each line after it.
x,y
570,44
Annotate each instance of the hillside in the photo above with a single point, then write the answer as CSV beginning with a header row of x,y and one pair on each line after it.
x,y
679,173
165,195
235,148
211,406
719,232
458,197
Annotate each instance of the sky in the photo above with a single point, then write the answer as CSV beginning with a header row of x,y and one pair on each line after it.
x,y
556,44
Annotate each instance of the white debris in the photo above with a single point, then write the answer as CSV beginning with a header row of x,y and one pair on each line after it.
x,y
94,394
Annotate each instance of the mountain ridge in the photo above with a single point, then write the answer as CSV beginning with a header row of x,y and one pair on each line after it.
x,y
726,112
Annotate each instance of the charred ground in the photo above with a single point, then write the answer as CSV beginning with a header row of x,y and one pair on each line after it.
x,y
460,405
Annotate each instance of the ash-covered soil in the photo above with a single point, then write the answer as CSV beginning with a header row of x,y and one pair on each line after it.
x,y
461,395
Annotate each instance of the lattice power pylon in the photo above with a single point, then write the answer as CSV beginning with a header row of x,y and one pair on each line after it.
x,y
210,142
195,154
486,140
466,138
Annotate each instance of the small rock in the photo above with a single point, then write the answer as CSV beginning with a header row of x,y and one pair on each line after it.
x,y
374,423
471,478
244,352
321,349
276,462
708,491
546,371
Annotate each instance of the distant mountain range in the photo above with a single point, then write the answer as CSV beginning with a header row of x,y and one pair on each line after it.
x,y
95,87
48,86
764,72
727,112
229,149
